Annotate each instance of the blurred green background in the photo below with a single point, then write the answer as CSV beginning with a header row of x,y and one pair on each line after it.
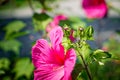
x,y
22,22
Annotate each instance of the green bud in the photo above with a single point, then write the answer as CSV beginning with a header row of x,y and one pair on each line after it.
x,y
89,31
81,29
81,32
66,31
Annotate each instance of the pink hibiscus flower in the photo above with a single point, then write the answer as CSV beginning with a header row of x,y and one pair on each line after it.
x,y
58,18
52,62
55,22
95,8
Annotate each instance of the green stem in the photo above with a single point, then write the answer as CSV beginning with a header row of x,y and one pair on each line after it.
x,y
85,66
31,6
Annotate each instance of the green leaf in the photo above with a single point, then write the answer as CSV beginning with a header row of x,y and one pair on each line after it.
x,y
113,46
23,67
7,78
85,51
65,22
40,21
77,71
4,63
10,45
41,17
100,54
2,72
12,27
19,34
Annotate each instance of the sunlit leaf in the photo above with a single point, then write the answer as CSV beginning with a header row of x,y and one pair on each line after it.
x,y
12,27
65,43
4,63
100,63
10,45
85,50
23,67
100,54
82,76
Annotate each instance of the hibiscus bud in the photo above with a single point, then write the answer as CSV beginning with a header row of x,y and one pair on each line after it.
x,y
89,31
81,29
66,31
81,32
66,28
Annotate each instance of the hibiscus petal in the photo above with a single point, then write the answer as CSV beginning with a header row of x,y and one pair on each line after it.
x,y
69,63
41,53
95,8
56,36
49,73
51,25
58,52
97,12
58,18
